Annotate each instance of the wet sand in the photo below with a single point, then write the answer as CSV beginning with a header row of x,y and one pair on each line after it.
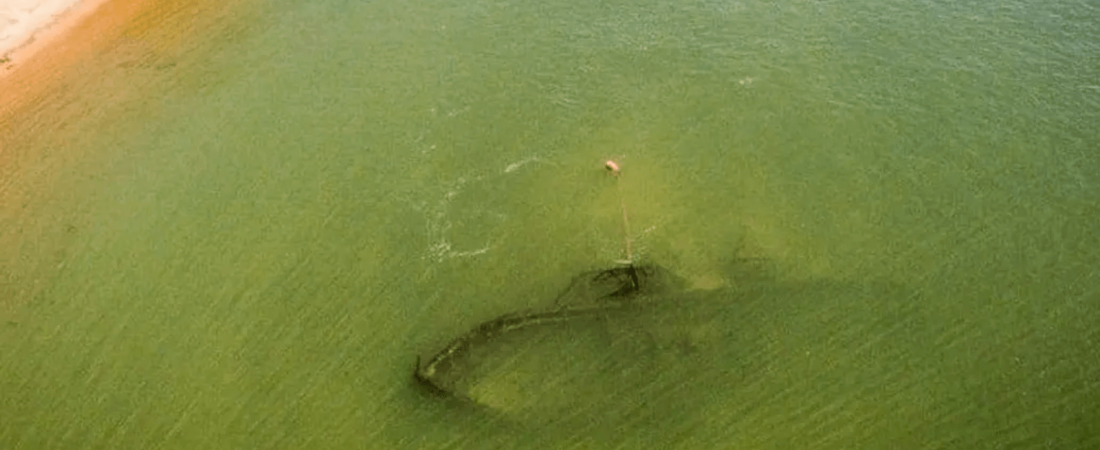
x,y
35,66
32,25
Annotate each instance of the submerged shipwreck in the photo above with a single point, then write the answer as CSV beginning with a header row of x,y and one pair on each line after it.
x,y
595,294
604,339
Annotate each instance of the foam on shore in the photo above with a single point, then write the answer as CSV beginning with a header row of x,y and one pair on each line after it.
x,y
21,20
59,31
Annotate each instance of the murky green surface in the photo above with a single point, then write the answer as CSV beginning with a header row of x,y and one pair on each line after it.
x,y
258,263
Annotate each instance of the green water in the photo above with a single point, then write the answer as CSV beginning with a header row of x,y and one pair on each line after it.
x,y
255,256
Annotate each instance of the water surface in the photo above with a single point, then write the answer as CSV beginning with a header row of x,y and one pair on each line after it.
x,y
254,254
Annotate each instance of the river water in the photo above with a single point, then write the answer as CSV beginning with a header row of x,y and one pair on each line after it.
x,y
884,213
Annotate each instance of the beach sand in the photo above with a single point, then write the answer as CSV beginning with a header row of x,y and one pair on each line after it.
x,y
23,22
65,35
86,37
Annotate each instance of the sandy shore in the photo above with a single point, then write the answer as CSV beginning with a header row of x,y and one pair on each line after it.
x,y
89,64
53,31
80,32
22,22
87,40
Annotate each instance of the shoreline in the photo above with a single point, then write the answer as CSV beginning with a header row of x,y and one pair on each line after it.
x,y
90,43
54,30
75,49
66,93
35,67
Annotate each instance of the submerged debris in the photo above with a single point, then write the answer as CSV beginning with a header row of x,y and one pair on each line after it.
x,y
605,291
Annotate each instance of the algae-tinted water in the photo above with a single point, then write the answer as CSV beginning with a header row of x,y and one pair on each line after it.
x,y
252,254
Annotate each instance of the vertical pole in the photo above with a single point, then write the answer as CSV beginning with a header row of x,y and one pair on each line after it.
x,y
613,169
